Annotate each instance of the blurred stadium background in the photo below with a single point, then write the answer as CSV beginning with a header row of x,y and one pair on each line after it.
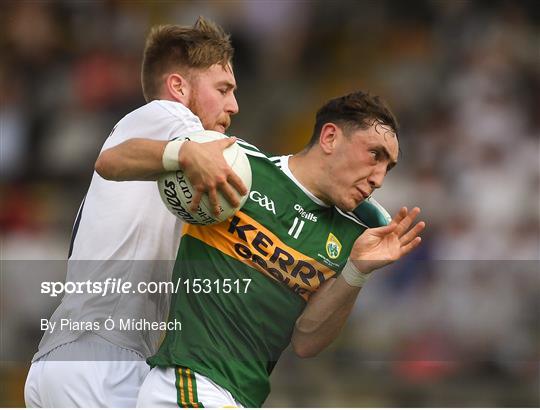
x,y
457,323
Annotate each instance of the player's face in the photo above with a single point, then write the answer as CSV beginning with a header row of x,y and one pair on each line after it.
x,y
360,162
212,97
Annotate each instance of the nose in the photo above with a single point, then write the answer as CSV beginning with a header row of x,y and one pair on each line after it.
x,y
232,105
377,176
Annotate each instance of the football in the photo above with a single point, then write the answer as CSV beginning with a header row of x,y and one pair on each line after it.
x,y
177,192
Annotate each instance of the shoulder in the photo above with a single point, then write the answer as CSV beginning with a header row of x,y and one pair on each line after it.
x,y
159,112
158,120
266,163
250,149
369,214
350,216
174,109
372,214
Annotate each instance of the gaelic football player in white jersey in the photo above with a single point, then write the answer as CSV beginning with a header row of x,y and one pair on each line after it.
x,y
124,233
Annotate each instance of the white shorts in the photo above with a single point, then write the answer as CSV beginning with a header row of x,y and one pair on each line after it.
x,y
57,381
181,387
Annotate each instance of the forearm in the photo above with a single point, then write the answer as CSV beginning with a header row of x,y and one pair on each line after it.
x,y
133,160
324,317
327,310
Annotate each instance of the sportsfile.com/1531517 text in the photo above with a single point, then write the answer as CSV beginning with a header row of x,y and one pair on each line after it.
x,y
119,286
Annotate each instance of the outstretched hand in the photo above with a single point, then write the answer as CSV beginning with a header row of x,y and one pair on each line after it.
x,y
378,247
208,172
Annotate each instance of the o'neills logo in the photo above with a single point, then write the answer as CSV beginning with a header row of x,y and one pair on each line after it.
x,y
304,214
180,198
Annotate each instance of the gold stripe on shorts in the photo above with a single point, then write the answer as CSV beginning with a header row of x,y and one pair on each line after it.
x,y
186,386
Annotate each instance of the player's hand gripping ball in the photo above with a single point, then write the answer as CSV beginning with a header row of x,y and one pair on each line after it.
x,y
177,192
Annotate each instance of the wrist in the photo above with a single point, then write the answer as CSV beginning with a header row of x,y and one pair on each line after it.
x,y
171,155
353,275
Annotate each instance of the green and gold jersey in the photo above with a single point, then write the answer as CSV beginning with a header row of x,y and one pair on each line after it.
x,y
255,273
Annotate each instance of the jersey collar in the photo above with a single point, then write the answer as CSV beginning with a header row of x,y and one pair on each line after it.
x,y
284,161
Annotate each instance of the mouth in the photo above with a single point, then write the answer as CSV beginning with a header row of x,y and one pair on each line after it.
x,y
223,125
364,194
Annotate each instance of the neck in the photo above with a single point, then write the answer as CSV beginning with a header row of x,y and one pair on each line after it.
x,y
306,168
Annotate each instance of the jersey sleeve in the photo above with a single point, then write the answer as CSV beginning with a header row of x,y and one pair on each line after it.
x,y
371,213
157,120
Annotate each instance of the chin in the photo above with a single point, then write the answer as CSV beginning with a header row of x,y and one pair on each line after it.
x,y
348,207
352,206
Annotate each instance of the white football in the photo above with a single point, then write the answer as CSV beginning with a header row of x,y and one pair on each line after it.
x,y
177,192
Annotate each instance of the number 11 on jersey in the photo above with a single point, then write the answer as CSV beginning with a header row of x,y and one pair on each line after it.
x,y
296,228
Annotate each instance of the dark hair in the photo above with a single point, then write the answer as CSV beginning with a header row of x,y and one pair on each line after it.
x,y
357,110
171,47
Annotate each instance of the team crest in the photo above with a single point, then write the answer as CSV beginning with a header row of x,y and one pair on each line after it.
x,y
333,246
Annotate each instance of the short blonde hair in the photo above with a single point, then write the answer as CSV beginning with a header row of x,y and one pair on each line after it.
x,y
171,47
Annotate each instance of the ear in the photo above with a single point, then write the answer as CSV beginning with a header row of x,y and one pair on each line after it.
x,y
328,137
177,88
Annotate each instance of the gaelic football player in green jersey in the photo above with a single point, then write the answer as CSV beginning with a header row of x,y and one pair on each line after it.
x,y
285,269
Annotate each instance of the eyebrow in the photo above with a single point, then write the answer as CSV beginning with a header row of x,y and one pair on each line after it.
x,y
382,150
228,84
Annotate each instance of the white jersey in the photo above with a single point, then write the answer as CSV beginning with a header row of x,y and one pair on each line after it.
x,y
123,231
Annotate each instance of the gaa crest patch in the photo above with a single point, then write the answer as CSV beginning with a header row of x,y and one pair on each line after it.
x,y
333,246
